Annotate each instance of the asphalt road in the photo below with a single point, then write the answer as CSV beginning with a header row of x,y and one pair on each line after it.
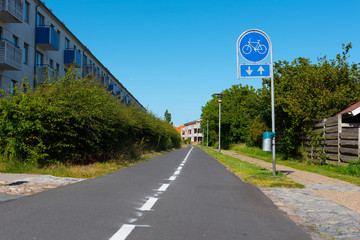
x,y
185,194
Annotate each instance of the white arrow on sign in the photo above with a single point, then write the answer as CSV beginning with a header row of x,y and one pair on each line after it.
x,y
249,71
261,70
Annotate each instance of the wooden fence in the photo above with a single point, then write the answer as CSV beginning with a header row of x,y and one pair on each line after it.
x,y
339,142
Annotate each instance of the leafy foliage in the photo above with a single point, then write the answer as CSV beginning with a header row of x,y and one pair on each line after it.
x,y
305,93
167,116
77,121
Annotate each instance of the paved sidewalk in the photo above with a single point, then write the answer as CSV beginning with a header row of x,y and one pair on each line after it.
x,y
13,185
330,206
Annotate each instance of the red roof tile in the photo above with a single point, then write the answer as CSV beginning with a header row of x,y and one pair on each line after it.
x,y
351,108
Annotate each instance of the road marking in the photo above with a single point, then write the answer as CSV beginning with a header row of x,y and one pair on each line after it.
x,y
149,204
126,229
163,187
123,232
132,220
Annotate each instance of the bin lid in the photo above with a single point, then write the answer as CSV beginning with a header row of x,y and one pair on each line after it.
x,y
267,135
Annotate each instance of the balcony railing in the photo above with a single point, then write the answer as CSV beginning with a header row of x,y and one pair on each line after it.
x,y
72,58
11,11
47,38
44,73
10,55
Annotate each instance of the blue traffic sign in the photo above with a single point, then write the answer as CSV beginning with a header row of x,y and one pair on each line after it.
x,y
254,46
256,71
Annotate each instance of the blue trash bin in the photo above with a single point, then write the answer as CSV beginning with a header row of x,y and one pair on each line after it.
x,y
267,137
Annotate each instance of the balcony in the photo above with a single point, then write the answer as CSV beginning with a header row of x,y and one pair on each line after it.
x,y
11,11
72,58
10,56
47,38
44,73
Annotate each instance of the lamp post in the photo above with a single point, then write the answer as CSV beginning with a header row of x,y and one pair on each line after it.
x,y
207,133
219,96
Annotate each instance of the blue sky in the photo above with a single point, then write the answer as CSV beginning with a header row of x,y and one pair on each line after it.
x,y
173,54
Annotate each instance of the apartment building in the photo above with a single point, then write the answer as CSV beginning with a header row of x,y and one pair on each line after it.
x,y
35,45
192,130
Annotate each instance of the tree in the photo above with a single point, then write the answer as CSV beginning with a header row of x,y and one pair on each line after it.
x,y
238,111
167,116
306,93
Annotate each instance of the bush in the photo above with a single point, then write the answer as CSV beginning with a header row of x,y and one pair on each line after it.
x,y
74,120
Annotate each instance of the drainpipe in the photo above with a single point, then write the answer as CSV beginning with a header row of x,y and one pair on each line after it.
x,y
36,12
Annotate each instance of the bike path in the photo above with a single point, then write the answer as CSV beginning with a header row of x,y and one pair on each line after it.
x,y
179,195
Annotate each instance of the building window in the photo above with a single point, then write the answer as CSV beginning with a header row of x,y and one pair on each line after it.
x,y
67,43
24,88
51,63
15,40
58,31
12,87
26,53
85,59
39,59
57,68
40,20
27,12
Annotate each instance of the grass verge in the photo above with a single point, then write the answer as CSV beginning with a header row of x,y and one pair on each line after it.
x,y
339,172
80,171
251,173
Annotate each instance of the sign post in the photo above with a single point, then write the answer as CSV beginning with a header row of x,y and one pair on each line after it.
x,y
254,46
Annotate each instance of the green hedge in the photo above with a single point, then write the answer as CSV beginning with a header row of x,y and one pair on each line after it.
x,y
77,121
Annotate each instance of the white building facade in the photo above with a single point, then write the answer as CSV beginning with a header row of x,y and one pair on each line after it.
x,y
191,131
35,45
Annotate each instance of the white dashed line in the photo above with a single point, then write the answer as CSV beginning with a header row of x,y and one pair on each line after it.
x,y
163,187
126,229
123,232
149,204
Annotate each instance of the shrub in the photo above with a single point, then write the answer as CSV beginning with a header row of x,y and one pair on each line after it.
x,y
75,120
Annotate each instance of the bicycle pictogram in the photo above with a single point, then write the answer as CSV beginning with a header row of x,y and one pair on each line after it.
x,y
256,46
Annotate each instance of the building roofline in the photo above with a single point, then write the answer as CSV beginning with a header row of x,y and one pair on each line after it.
x,y
192,122
352,110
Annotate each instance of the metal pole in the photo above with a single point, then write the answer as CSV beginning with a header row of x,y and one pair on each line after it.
x,y
273,112
207,133
219,126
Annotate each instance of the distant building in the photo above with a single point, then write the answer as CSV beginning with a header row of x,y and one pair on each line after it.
x,y
192,130
178,129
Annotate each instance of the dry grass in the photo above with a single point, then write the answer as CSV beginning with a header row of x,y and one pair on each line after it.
x,y
82,171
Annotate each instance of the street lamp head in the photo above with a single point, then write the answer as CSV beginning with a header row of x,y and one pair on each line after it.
x,y
219,96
